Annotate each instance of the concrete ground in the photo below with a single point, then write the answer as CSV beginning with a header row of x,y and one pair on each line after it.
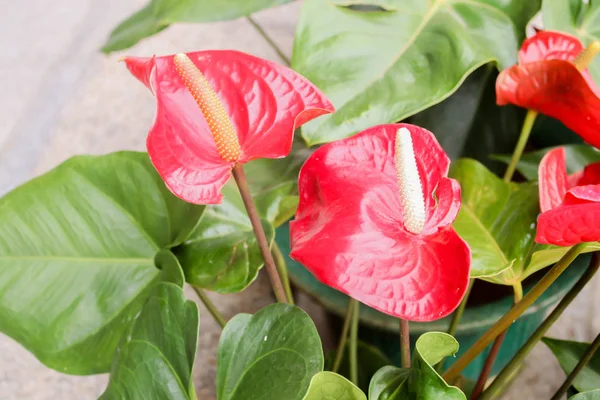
x,y
61,97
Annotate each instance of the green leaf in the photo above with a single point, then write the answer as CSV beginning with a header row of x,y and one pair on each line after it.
x,y
576,18
568,354
271,355
577,155
155,360
331,386
77,248
497,220
421,381
591,395
159,14
370,360
383,66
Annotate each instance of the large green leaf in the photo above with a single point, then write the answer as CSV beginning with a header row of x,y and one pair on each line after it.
x,y
271,355
383,66
77,249
156,358
591,395
159,14
421,381
577,155
331,386
576,18
568,354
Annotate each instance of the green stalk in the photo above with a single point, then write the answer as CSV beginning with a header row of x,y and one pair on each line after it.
x,y
283,274
456,317
515,312
523,137
341,349
354,344
589,353
505,376
268,39
404,343
210,306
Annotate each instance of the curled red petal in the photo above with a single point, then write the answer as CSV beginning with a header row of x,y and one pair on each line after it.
x,y
549,45
568,225
590,175
448,193
265,102
555,88
583,195
349,230
552,176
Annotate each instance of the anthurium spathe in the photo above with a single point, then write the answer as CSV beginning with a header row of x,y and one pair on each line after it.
x,y
570,204
374,222
219,108
551,78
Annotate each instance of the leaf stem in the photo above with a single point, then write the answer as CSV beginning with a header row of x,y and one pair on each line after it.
x,y
456,317
282,270
404,343
589,353
210,306
507,373
523,137
493,354
270,41
261,238
339,355
515,312
354,344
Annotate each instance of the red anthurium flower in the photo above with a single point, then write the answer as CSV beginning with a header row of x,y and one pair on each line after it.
x,y
570,204
219,108
551,78
374,222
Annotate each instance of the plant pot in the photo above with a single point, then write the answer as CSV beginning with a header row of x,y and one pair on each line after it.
x,y
381,330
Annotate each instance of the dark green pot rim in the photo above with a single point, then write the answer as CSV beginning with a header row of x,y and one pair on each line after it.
x,y
473,320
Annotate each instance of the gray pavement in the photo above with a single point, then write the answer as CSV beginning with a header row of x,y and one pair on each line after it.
x,y
61,97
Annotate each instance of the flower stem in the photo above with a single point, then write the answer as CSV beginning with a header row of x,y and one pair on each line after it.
x,y
210,306
456,316
268,39
261,238
589,353
404,344
523,137
354,344
507,373
515,312
493,354
341,349
282,270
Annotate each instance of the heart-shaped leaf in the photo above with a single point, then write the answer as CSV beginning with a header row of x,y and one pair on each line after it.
x,y
381,67
331,386
156,358
77,248
577,156
577,18
370,360
591,395
568,354
421,381
159,14
271,355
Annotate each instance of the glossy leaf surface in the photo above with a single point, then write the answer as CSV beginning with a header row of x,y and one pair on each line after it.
x,y
159,14
349,229
590,395
77,256
383,66
568,354
421,381
271,355
156,358
331,386
262,104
